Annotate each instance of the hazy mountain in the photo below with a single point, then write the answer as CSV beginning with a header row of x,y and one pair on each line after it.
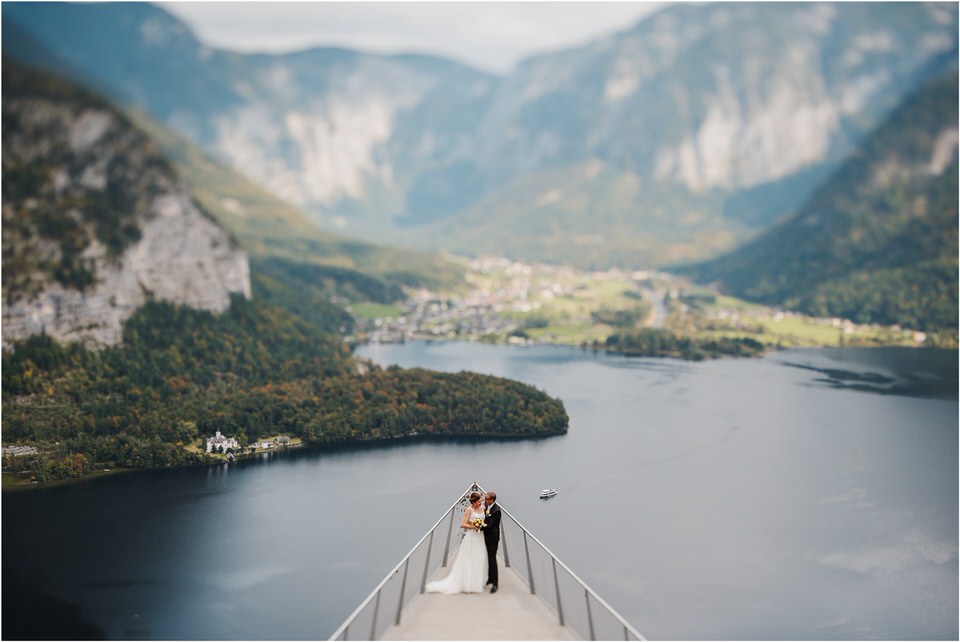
x,y
275,233
878,241
95,221
313,127
671,141
692,130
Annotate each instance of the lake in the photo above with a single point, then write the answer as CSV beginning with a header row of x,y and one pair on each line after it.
x,y
808,494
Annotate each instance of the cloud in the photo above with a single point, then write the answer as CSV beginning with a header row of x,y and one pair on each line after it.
x,y
489,35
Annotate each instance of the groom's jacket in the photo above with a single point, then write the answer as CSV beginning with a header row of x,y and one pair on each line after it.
x,y
491,517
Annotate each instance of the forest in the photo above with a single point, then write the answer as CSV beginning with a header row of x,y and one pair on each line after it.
x,y
254,371
656,342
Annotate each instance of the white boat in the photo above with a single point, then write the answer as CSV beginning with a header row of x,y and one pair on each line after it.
x,y
547,492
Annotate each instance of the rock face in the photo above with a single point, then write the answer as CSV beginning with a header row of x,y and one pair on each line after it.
x,y
95,222
182,257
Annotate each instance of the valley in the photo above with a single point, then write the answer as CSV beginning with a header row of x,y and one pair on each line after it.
x,y
258,298
249,330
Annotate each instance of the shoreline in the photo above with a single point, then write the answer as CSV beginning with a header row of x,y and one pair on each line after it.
x,y
357,444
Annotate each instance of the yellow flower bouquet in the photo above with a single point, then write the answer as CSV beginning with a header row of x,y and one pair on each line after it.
x,y
478,523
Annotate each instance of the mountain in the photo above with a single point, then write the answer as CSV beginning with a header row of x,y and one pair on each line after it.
x,y
692,131
877,242
95,221
276,233
669,142
312,127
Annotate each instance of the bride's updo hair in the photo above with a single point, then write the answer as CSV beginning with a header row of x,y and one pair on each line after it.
x,y
474,497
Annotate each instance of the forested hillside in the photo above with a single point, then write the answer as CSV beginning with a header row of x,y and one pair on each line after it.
x,y
78,175
878,241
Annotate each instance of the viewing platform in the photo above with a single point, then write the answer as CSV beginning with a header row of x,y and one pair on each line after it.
x,y
512,613
539,598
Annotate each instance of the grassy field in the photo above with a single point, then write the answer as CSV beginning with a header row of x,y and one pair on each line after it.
x,y
775,327
375,311
565,301
570,333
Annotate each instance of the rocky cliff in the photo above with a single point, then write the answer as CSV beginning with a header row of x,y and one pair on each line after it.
x,y
95,222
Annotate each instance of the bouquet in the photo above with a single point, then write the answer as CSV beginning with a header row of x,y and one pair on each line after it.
x,y
478,523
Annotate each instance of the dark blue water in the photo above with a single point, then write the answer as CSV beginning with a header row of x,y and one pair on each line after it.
x,y
809,494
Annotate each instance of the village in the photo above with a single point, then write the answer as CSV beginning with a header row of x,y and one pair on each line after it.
x,y
520,303
514,302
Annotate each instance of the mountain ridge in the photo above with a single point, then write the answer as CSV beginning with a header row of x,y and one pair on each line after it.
x,y
715,100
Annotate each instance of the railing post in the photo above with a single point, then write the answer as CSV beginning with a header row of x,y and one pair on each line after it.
x,y
586,594
626,633
556,584
526,549
346,633
446,550
426,564
503,538
373,625
403,585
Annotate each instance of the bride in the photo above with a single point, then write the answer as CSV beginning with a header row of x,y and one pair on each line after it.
x,y
469,571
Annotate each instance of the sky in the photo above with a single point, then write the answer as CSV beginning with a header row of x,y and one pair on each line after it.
x,y
490,35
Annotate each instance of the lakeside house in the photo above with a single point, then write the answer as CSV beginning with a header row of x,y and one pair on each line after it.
x,y
268,444
219,443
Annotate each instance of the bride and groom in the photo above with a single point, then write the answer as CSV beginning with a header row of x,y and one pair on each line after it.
x,y
476,561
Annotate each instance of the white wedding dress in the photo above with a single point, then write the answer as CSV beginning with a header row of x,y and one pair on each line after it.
x,y
468,574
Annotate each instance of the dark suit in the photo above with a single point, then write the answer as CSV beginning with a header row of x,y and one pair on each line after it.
x,y
491,537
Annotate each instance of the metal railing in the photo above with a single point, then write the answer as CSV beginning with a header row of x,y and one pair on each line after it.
x,y
576,605
566,595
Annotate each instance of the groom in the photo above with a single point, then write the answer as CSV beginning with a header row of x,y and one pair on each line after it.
x,y
491,537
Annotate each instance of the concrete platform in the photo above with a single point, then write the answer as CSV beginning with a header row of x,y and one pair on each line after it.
x,y
511,613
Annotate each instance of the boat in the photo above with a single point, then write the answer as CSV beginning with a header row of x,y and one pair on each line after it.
x,y
540,598
547,492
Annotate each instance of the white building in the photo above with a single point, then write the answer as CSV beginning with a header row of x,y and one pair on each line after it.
x,y
220,443
19,450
